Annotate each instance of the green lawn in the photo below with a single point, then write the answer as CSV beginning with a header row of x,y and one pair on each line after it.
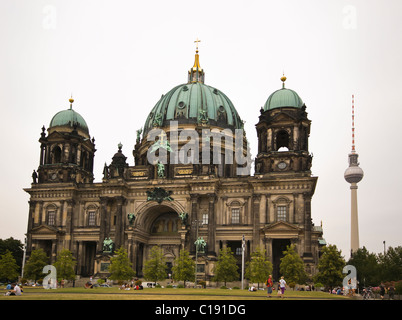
x,y
114,293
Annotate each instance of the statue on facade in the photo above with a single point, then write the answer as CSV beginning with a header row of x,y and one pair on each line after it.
x,y
161,169
200,245
131,218
107,245
203,116
158,120
105,171
139,135
34,177
183,217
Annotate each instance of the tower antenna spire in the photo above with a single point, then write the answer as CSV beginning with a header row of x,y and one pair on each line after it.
x,y
353,123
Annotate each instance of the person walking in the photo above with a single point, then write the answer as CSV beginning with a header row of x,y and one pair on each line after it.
x,y
382,291
269,284
282,285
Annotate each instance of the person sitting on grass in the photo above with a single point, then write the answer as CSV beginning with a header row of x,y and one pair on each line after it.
x,y
15,291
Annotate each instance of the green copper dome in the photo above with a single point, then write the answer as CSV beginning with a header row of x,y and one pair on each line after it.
x,y
194,102
69,118
283,98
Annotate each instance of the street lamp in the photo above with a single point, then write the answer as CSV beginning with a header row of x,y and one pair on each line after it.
x,y
196,224
242,262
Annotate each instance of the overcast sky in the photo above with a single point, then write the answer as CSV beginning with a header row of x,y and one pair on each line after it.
x,y
118,57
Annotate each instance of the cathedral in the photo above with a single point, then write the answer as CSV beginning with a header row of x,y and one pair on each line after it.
x,y
190,187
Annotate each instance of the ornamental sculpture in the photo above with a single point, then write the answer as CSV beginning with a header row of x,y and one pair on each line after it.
x,y
131,218
200,245
107,245
183,217
161,170
159,195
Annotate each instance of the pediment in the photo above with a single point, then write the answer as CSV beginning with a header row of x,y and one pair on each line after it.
x,y
281,226
55,135
44,229
283,117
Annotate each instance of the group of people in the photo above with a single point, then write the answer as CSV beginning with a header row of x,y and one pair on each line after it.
x,y
131,286
14,290
281,286
390,290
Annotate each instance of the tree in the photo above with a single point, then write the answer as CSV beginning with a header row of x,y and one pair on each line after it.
x,y
8,267
259,268
226,268
183,269
155,269
120,267
330,267
34,267
391,264
367,267
65,264
292,267
15,247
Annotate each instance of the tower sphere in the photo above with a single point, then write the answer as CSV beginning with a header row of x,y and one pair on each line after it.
x,y
354,174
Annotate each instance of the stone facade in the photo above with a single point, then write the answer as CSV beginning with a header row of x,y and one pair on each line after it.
x,y
138,207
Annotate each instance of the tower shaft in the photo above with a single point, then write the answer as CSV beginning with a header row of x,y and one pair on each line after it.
x,y
354,224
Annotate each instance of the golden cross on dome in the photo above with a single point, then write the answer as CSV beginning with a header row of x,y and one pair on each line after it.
x,y
161,136
197,41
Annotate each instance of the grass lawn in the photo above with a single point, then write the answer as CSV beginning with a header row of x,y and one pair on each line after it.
x,y
38,293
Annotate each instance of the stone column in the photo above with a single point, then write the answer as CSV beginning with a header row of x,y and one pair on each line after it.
x,y
307,227
268,248
194,212
80,257
268,220
119,227
255,220
69,221
211,224
103,232
54,251
31,214
40,213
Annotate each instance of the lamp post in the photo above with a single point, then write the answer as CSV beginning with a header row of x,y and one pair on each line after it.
x,y
242,262
196,224
23,258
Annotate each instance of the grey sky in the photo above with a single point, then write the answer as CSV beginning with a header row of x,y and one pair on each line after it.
x,y
118,57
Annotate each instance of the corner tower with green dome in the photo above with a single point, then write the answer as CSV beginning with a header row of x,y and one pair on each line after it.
x,y
67,152
283,131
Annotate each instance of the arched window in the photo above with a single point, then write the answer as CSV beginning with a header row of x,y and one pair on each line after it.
x,y
167,223
235,212
282,140
51,211
282,209
56,154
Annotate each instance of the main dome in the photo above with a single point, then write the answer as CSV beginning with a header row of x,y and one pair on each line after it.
x,y
194,102
283,98
191,103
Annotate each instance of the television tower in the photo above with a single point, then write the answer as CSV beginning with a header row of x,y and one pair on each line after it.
x,y
353,175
